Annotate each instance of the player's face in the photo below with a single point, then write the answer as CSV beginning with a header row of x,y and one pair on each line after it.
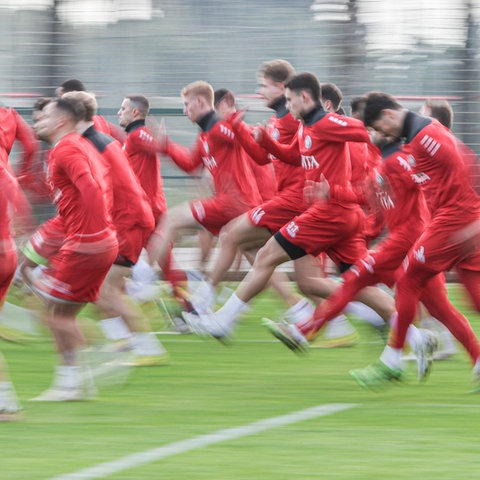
x,y
295,102
47,122
193,108
388,124
125,113
269,90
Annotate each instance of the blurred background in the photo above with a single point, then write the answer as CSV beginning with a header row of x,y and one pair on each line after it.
x,y
411,48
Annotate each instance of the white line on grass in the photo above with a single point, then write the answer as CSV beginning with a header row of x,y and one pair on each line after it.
x,y
137,459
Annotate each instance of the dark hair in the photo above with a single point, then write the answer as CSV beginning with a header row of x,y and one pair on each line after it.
x,y
73,107
375,103
73,85
223,94
276,70
331,92
39,105
441,110
306,82
140,102
357,106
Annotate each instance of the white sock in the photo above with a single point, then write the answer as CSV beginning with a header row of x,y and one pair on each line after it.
x,y
203,298
366,313
143,272
414,338
115,328
338,327
145,343
299,312
231,310
8,398
476,370
392,357
68,376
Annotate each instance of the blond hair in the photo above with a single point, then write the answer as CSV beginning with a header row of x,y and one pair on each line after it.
x,y
199,89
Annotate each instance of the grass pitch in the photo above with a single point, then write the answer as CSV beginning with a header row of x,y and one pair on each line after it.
x,y
412,430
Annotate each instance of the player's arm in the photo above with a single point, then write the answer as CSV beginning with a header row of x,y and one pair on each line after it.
x,y
26,136
21,207
185,158
243,133
336,128
286,153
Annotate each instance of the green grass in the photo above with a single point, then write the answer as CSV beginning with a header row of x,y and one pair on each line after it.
x,y
412,430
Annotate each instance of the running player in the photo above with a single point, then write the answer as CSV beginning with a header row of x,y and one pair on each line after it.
x,y
76,272
451,237
217,150
134,223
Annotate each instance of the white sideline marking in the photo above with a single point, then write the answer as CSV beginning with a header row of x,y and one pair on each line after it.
x,y
136,459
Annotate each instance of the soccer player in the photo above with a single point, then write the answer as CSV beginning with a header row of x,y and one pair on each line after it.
x,y
451,237
10,196
253,228
76,272
217,150
225,107
333,226
142,149
405,213
134,222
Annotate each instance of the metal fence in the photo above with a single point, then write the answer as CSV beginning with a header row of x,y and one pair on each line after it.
x,y
410,48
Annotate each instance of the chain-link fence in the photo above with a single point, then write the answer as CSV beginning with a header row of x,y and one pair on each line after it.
x,y
410,48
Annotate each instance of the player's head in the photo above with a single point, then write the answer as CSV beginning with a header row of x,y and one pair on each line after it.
x,y
89,102
303,93
59,117
198,100
331,97
357,107
72,85
272,76
37,113
133,107
439,109
224,102
384,114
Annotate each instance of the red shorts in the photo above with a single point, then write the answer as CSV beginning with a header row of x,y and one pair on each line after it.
x,y
328,228
438,250
8,264
275,213
45,242
75,277
131,242
215,212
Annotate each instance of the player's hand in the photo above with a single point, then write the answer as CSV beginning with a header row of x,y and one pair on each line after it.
x,y
314,192
237,117
159,131
258,132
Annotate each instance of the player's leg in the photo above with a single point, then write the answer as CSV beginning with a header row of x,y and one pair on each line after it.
x,y
223,321
9,406
234,235
124,320
177,218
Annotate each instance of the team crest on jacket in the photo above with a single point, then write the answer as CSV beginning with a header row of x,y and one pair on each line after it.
x,y
275,134
308,142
